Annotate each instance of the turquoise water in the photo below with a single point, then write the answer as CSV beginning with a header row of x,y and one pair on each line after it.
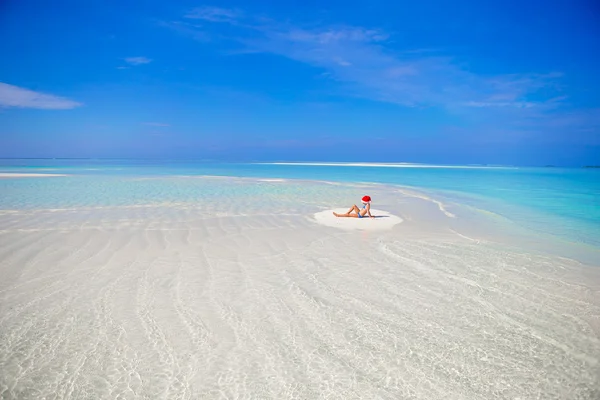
x,y
556,201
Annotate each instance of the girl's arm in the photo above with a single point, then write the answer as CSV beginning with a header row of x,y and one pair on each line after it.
x,y
369,211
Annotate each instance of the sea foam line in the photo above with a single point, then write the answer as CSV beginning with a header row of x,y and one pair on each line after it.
x,y
440,205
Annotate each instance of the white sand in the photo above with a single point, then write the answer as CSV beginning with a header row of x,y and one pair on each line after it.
x,y
383,220
174,301
389,165
27,175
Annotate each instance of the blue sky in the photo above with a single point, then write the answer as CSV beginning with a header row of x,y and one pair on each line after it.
x,y
433,81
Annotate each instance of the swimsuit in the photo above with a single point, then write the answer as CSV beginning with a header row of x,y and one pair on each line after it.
x,y
364,208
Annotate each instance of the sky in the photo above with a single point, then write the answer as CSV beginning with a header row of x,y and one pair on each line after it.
x,y
461,82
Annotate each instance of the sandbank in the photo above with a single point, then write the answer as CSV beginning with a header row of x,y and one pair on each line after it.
x,y
383,220
121,288
26,175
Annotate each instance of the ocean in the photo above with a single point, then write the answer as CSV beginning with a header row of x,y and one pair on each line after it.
x,y
563,203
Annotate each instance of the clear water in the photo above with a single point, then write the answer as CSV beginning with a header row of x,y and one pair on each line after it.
x,y
560,202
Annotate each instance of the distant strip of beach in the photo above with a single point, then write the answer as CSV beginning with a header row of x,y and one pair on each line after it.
x,y
27,175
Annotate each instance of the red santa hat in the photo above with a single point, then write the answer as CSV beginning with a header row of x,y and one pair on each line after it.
x,y
366,199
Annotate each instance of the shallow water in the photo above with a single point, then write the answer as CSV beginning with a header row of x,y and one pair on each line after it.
x,y
551,201
129,286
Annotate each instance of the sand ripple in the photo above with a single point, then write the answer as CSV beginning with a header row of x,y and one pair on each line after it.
x,y
170,303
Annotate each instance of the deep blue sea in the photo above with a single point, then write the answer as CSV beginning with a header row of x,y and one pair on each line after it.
x,y
558,201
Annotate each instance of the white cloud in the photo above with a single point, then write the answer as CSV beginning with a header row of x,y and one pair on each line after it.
x,y
156,124
343,63
367,68
14,96
137,60
188,29
518,104
335,35
214,14
367,65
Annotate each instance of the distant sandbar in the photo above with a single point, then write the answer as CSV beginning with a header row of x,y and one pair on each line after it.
x,y
20,175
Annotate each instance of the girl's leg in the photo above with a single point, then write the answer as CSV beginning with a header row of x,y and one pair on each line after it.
x,y
348,215
350,212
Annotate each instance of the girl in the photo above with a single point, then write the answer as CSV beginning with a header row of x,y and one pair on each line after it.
x,y
356,212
